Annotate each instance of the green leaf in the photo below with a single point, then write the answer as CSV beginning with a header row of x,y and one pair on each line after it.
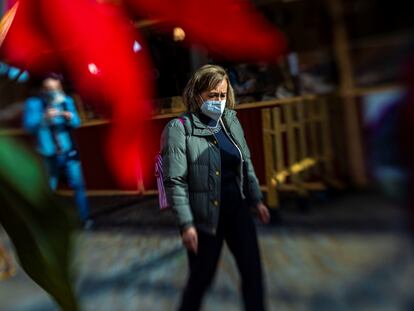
x,y
39,226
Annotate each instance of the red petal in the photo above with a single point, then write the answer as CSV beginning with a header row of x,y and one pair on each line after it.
x,y
228,27
25,45
87,36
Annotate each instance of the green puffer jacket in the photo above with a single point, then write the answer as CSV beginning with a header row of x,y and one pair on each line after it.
x,y
192,169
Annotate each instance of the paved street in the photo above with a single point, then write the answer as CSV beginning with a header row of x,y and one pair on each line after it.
x,y
348,253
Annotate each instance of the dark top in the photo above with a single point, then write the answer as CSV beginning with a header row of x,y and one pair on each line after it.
x,y
230,166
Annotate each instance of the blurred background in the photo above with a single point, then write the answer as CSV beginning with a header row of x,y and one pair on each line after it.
x,y
328,128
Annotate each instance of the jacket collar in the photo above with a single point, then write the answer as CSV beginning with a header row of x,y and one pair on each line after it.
x,y
228,117
200,129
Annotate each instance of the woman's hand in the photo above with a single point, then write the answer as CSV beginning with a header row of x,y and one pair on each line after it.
x,y
263,213
190,239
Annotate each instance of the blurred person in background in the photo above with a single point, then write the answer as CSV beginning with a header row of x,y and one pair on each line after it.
x,y
245,83
50,116
210,183
273,82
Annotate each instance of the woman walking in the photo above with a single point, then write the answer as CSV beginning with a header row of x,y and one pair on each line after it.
x,y
210,183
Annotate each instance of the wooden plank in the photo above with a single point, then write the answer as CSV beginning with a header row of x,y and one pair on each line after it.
x,y
310,186
303,151
80,107
291,142
313,136
327,151
314,186
269,157
277,139
357,168
109,192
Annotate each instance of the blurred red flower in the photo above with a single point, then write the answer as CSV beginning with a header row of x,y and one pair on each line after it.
x,y
93,43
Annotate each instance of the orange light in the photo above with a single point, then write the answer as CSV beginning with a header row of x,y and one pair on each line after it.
x,y
178,34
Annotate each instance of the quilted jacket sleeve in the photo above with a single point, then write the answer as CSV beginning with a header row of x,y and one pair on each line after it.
x,y
173,152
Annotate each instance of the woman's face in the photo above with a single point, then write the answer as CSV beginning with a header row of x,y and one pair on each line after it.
x,y
217,93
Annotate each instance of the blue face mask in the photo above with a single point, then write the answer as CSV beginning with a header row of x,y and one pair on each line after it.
x,y
213,108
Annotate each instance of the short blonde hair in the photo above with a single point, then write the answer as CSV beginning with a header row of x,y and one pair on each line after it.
x,y
204,79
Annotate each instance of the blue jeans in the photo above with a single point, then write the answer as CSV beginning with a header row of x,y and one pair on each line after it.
x,y
70,166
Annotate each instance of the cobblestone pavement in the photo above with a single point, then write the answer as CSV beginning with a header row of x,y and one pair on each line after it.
x,y
312,262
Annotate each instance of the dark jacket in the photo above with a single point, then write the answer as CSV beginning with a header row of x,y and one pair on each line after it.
x,y
192,169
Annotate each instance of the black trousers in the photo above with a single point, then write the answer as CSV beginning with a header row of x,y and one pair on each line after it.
x,y
236,227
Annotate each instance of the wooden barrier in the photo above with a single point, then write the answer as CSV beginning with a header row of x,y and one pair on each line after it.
x,y
289,139
298,149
